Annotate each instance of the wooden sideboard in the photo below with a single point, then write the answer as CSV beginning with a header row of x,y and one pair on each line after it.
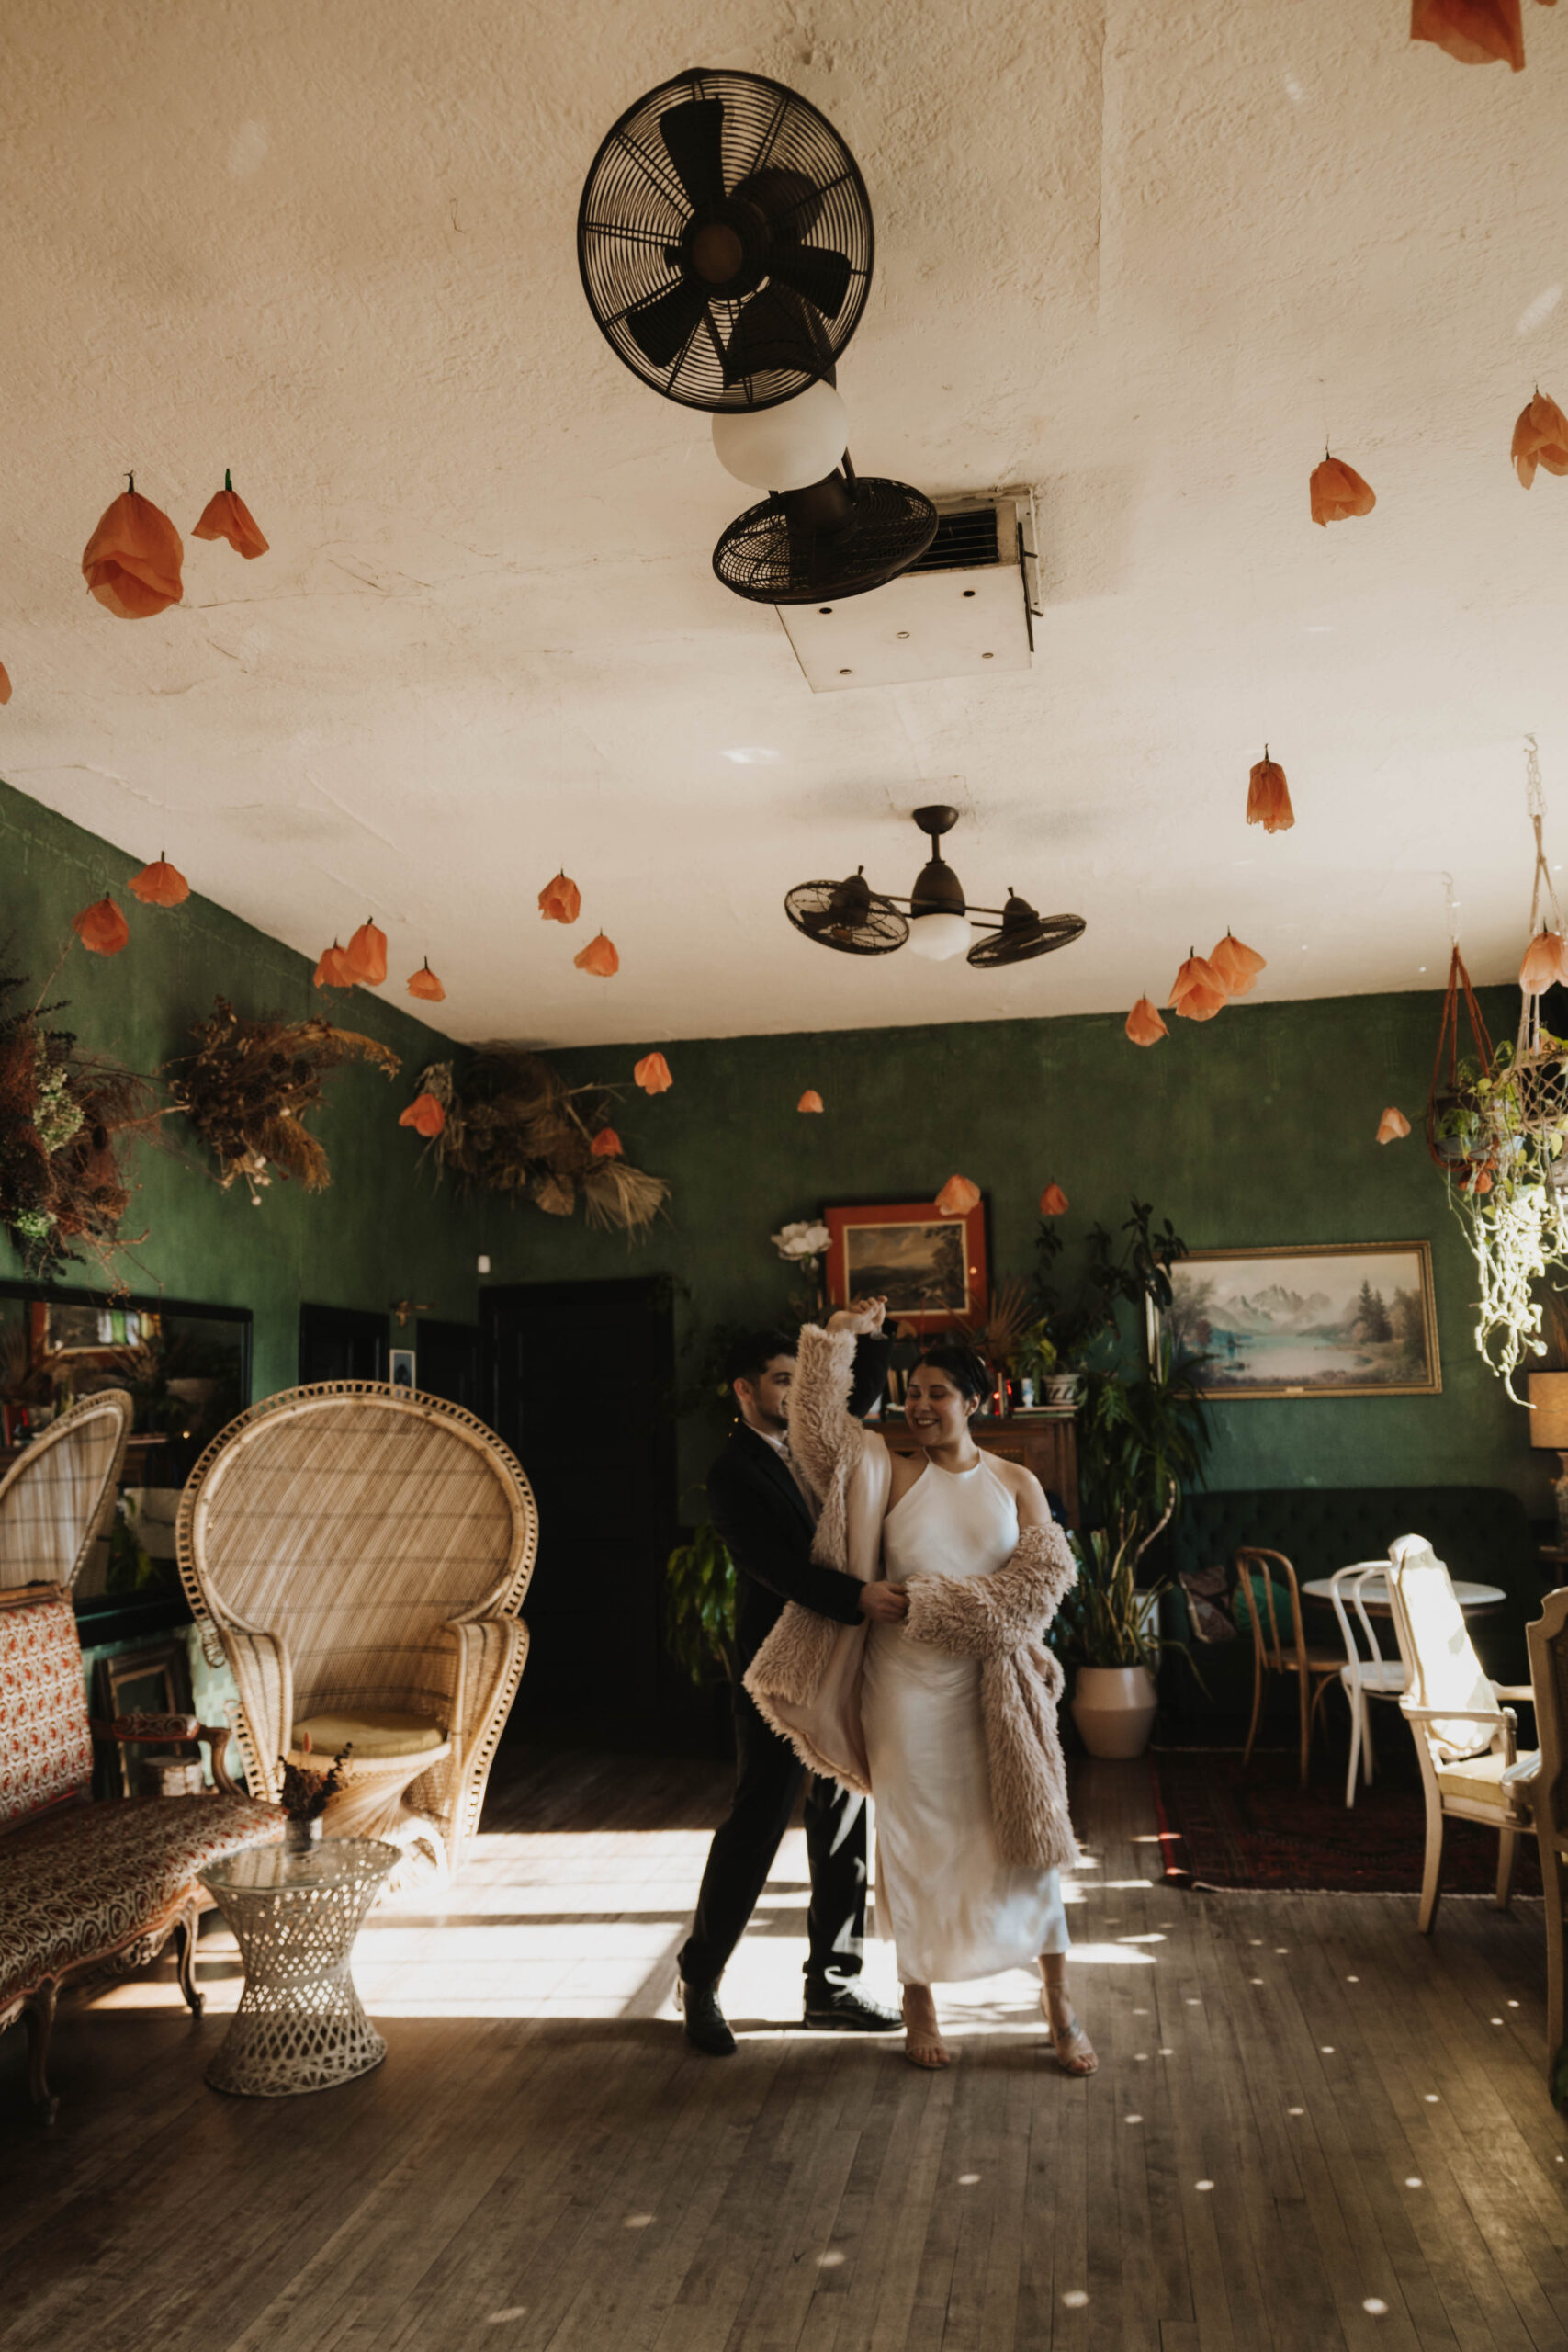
x,y
1046,1443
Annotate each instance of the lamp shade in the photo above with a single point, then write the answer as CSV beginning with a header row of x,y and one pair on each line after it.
x,y
1549,1419
938,936
786,447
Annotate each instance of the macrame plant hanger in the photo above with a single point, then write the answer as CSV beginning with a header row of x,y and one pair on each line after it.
x,y
1543,1088
1447,1034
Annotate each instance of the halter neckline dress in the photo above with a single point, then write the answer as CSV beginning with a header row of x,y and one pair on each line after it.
x,y
956,1910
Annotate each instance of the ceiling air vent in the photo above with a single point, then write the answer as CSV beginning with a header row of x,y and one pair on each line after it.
x,y
964,609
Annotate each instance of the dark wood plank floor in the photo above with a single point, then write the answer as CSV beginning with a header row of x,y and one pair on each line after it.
x,y
1312,2129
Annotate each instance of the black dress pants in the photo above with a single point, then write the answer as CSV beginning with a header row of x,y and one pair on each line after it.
x,y
767,1781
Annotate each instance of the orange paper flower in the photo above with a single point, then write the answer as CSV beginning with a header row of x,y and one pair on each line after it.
x,y
226,517
131,564
364,957
606,1145
159,884
809,1100
1236,967
1476,32
5,685
561,900
1545,964
1338,492
652,1074
1541,438
101,928
1052,1201
1393,1126
423,983
1144,1024
1198,992
957,1197
599,957
333,971
1268,796
425,1115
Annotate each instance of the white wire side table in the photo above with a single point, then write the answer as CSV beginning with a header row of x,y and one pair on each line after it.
x,y
299,2026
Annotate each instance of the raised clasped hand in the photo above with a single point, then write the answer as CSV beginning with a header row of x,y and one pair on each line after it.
x,y
863,1315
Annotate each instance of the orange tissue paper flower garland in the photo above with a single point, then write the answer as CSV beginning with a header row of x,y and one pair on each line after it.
x,y
957,1197
1545,963
1337,493
652,1074
226,517
1052,1201
607,1144
159,884
424,984
810,1101
1197,993
364,957
1237,966
1393,1126
1268,796
599,957
4,683
561,900
1144,1024
1473,32
424,1114
1541,438
131,564
101,928
333,971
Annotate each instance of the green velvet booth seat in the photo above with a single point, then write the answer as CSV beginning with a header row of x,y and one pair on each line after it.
x,y
1482,1534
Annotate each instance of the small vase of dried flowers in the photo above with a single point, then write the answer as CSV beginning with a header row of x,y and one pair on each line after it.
x,y
305,1796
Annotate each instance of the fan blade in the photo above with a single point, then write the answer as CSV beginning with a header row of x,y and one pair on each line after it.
x,y
775,331
823,276
692,133
788,201
660,328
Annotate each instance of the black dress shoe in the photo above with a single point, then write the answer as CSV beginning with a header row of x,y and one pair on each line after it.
x,y
839,2008
705,2027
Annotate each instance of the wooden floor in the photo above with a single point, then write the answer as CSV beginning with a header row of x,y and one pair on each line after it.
x,y
1312,2128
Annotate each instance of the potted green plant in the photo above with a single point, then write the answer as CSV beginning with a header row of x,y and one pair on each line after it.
x,y
699,1603
1106,1631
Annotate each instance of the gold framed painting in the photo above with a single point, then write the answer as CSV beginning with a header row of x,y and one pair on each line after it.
x,y
1352,1319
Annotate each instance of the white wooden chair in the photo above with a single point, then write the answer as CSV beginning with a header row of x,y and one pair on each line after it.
x,y
1465,1736
1366,1674
1548,1641
56,1497
362,1552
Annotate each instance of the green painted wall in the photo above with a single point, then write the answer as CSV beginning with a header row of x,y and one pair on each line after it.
x,y
1255,1128
378,1232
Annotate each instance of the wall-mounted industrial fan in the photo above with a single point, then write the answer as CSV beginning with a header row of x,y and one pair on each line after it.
x,y
725,241
858,920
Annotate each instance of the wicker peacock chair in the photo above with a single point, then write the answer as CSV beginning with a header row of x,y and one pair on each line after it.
x,y
362,1553
56,1497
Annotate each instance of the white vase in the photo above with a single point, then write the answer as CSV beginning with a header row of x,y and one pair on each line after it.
x,y
1113,1707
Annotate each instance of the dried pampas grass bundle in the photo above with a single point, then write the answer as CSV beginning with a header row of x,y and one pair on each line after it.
x,y
513,1126
64,1116
249,1085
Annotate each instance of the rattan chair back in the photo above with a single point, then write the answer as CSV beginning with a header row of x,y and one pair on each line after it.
x,y
356,1546
56,1497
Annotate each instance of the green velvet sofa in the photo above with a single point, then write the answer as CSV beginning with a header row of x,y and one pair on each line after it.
x,y
1484,1534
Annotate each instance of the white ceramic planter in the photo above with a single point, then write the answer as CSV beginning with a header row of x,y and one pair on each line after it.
x,y
1113,1707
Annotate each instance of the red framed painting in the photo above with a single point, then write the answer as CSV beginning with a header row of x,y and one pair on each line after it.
x,y
930,1268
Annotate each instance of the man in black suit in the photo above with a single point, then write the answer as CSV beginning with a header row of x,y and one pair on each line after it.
x,y
767,1519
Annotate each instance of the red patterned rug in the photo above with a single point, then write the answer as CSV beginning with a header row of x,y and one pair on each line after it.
x,y
1221,1827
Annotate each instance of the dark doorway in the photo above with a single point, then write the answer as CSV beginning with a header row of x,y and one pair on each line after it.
x,y
582,1379
342,1344
447,1361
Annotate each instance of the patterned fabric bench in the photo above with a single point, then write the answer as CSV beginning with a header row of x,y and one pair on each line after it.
x,y
90,1888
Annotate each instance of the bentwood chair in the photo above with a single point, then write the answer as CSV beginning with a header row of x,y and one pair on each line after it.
x,y
1548,1641
1366,1674
56,1497
362,1553
1266,1587
1466,1739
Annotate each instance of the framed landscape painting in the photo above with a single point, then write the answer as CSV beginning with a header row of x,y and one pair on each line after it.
x,y
930,1268
1342,1319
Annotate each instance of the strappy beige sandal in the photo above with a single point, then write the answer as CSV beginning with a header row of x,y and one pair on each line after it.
x,y
1075,2052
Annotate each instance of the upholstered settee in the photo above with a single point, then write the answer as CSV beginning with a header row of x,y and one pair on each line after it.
x,y
89,1888
1482,1534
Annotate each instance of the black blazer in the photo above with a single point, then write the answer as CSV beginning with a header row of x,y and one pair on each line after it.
x,y
767,1526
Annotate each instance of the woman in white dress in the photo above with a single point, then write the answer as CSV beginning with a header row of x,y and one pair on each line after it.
x,y
957,1909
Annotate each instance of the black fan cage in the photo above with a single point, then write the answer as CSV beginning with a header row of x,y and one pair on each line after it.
x,y
766,554
1016,943
867,926
725,241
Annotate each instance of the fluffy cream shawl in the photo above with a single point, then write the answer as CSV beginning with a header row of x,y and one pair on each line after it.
x,y
806,1677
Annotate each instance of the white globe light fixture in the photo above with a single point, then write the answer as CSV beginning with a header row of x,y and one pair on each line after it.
x,y
939,918
786,447
937,937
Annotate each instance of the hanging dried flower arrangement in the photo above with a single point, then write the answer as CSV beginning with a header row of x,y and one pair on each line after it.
x,y
247,1088
63,1118
513,1126
1497,1127
425,1115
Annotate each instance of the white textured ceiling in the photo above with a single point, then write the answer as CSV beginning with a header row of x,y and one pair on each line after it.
x,y
1141,254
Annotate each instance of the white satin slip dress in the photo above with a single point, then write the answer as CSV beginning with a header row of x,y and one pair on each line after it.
x,y
954,1909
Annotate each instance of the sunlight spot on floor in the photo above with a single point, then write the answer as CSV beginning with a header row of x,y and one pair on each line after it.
x,y
1413,2180
636,2221
1513,2005
1166,2051
1140,2013
512,2311
1375,2304
1352,1980
1281,1948
1074,2300
1295,2110
1193,2002
1120,1883
1140,2057
967,2180
1256,1942
1131,2118
1255,1980
1496,2020
1326,2048
1204,2185
831,2260
1150,1939
1432,2099
1125,1954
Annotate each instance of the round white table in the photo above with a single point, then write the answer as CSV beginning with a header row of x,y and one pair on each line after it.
x,y
299,2026
1474,1598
